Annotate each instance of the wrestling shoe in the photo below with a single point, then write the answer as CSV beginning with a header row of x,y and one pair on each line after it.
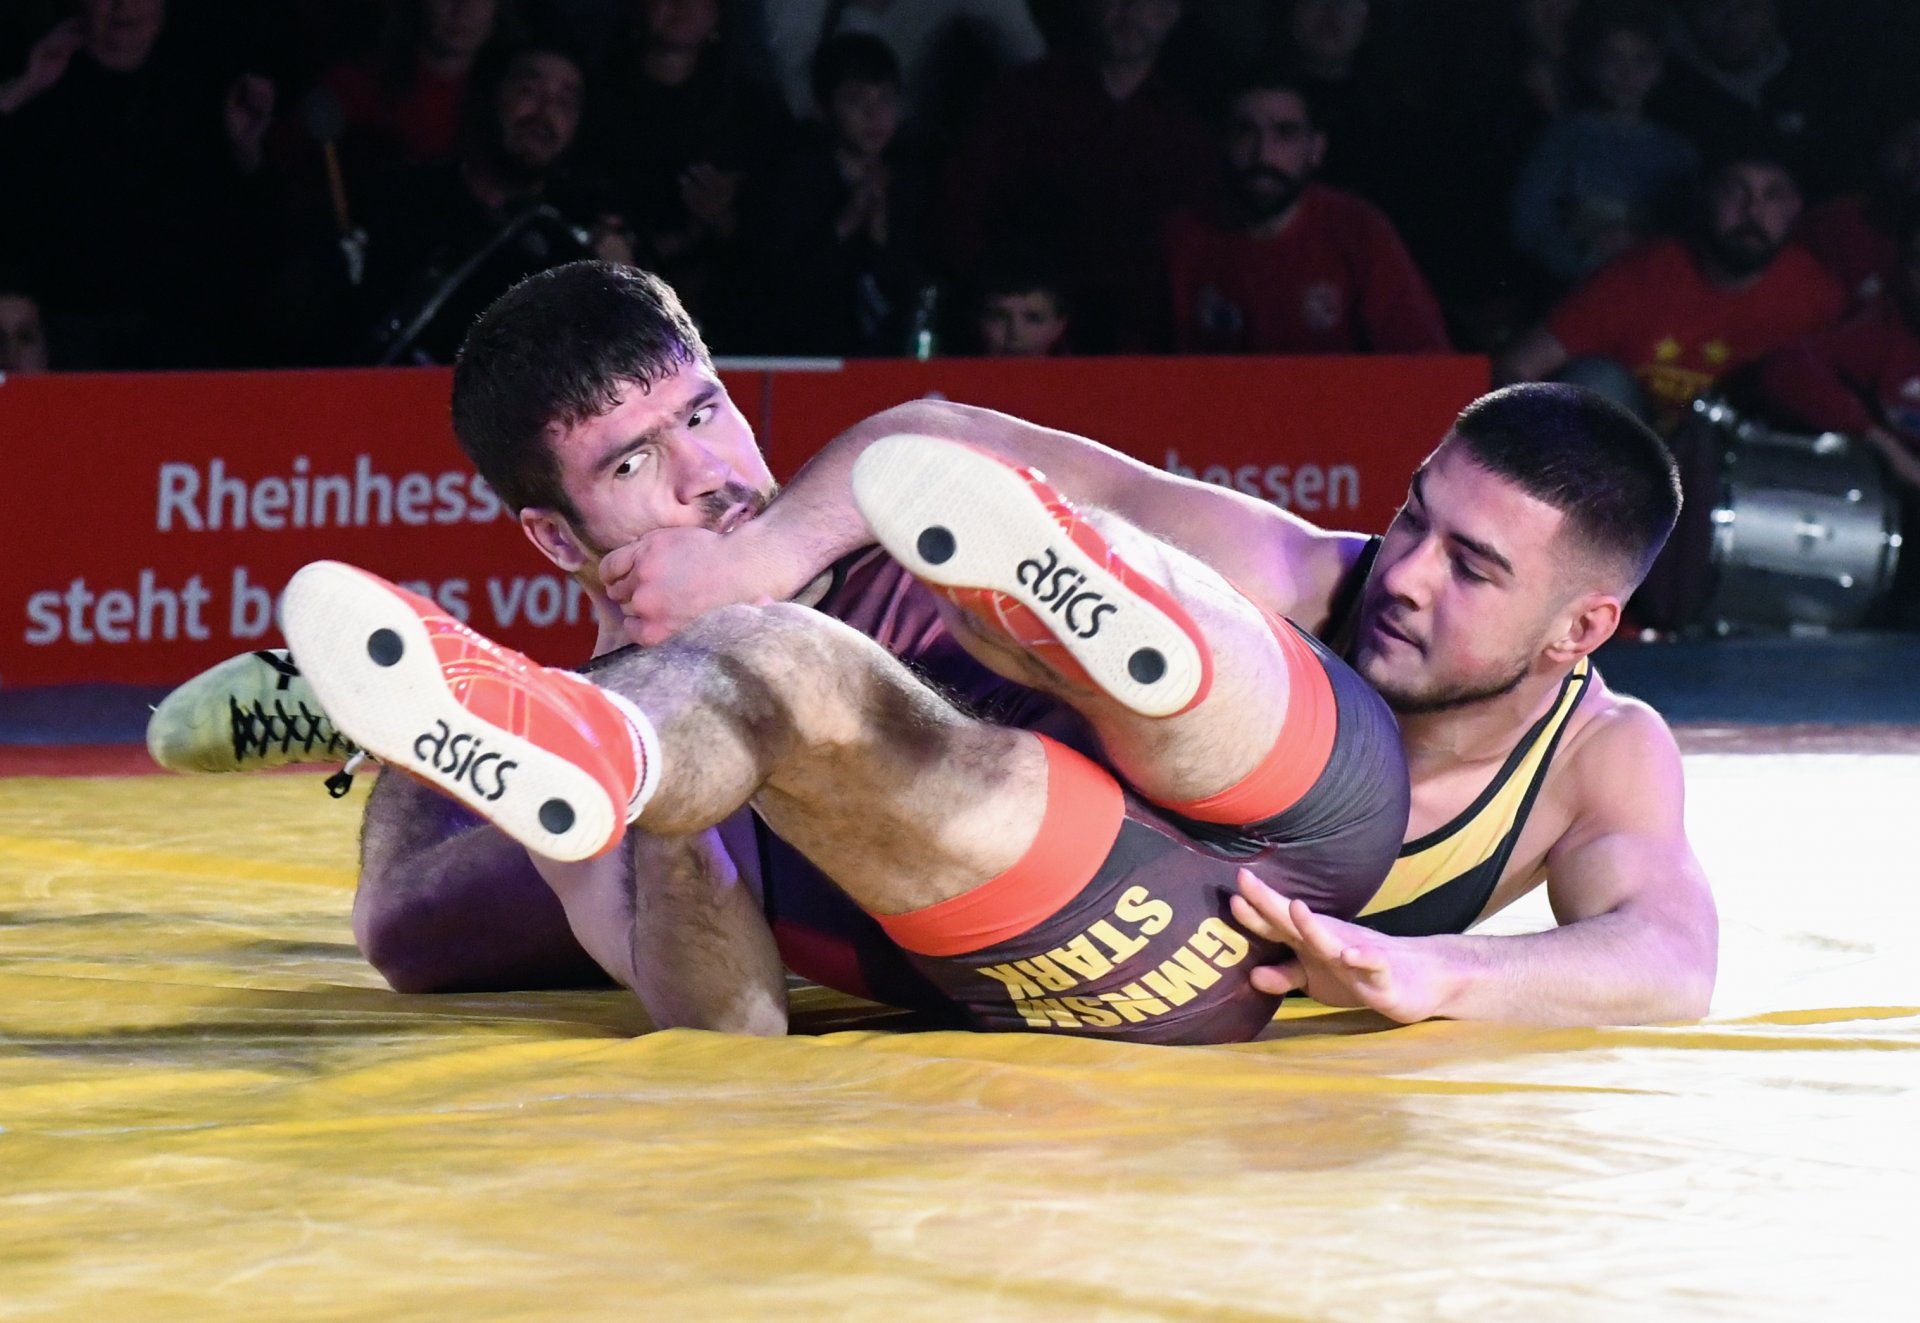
x,y
998,542
554,762
248,713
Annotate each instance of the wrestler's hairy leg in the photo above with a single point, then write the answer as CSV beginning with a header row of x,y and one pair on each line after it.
x,y
1184,679
899,798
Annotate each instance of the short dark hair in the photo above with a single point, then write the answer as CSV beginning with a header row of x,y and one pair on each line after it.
x,y
853,57
1582,454
1268,78
555,350
1752,146
1025,273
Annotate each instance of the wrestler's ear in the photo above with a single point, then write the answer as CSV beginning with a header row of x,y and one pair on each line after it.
x,y
1589,621
550,531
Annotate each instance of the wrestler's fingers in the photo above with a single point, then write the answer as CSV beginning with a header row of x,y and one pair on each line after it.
x,y
1278,980
617,565
1316,935
1252,919
1264,910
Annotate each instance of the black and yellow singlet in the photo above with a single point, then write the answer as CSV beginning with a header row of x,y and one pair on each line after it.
x,y
1441,882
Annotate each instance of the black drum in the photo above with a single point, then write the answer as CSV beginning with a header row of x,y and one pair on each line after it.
x,y
1805,530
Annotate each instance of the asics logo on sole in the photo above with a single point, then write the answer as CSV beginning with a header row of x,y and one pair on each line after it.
x,y
1057,588
462,758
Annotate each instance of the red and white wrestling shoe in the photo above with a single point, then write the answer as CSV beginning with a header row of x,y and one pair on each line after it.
x,y
1002,545
543,754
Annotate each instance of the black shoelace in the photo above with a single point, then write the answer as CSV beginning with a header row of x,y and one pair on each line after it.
x,y
260,730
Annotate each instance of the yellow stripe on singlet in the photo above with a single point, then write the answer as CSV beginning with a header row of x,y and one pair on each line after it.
x,y
1469,844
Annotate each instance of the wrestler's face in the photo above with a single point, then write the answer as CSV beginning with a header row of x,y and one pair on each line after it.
x,y
1465,594
679,455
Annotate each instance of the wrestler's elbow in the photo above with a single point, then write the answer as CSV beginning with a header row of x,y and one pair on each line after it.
x,y
1687,968
923,417
1685,994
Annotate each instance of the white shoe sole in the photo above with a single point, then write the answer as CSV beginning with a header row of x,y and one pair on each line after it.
x,y
372,664
955,517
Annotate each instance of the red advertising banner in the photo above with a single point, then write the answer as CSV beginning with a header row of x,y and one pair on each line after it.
x,y
157,517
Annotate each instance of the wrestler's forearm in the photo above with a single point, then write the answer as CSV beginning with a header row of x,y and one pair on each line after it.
x,y
1615,968
447,903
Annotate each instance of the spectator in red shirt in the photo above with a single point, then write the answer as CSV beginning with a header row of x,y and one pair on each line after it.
x,y
1286,265
1853,234
1861,377
1679,314
1087,153
401,106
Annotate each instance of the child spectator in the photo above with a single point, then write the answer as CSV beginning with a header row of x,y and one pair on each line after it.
x,y
1602,176
841,231
1087,152
23,341
676,130
936,41
1023,312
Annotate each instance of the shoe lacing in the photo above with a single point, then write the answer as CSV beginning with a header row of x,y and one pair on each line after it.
x,y
259,730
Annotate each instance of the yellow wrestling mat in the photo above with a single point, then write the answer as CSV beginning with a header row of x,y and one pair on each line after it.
x,y
210,1109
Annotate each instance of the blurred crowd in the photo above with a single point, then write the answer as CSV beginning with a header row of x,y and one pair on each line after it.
x,y
1684,189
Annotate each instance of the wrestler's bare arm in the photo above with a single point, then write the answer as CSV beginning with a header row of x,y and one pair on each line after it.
x,y
1280,560
1638,937
448,902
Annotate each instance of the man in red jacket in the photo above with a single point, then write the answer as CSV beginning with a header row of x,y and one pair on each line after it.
x,y
1680,315
1284,265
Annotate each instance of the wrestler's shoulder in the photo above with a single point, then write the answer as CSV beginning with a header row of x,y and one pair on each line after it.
x,y
1613,741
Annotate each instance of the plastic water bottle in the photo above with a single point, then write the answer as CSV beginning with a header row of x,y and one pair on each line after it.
x,y
923,340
